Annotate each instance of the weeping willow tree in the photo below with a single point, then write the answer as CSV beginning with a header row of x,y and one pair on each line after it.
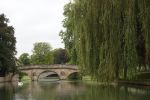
x,y
144,7
112,37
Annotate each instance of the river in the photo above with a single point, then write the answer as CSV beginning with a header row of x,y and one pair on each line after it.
x,y
65,90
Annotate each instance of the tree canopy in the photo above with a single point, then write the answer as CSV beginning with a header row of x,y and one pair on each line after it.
x,y
42,53
24,59
60,56
67,34
7,46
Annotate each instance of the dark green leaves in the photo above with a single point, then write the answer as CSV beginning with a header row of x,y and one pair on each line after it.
x,y
7,46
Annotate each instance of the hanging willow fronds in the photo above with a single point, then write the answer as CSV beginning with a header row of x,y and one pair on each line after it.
x,y
112,37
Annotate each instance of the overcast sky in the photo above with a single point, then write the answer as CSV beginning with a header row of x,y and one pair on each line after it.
x,y
34,21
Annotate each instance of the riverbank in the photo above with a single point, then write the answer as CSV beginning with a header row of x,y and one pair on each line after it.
x,y
5,79
88,80
135,82
119,82
8,78
2,79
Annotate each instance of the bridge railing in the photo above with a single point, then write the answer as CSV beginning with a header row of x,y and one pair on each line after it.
x,y
55,66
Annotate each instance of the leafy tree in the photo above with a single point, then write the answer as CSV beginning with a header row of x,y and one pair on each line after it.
x,y
42,53
60,56
24,59
67,35
7,46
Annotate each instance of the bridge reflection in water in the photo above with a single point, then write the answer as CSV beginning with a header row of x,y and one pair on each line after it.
x,y
47,90
63,90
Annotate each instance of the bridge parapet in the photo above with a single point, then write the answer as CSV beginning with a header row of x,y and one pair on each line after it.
x,y
55,66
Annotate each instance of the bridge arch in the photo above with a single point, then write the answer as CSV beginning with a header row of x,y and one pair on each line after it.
x,y
74,75
49,73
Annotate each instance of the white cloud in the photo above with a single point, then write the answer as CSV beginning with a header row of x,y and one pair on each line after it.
x,y
34,21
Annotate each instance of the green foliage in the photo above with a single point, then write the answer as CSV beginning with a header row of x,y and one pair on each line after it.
x,y
24,59
42,53
60,56
7,46
21,74
67,35
111,37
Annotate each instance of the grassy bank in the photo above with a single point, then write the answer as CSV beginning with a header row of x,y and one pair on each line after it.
x,y
25,79
135,81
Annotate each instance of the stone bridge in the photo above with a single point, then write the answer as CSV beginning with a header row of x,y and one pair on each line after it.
x,y
35,71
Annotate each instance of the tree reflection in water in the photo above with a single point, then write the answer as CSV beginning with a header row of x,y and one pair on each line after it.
x,y
62,90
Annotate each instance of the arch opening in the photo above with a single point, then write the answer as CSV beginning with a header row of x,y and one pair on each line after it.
x,y
75,76
48,76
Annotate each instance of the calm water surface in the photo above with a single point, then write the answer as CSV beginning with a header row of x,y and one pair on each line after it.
x,y
62,90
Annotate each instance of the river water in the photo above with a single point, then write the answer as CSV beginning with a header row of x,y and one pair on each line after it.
x,y
64,90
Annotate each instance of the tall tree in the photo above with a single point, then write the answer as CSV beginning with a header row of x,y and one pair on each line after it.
x,y
42,53
7,46
60,56
24,59
67,34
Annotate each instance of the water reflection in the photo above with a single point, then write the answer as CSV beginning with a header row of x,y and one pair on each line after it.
x,y
62,90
